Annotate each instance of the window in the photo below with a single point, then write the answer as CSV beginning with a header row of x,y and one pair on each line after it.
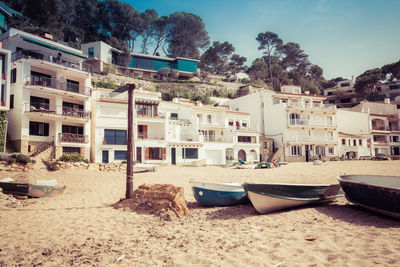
x,y
155,153
244,139
91,52
295,150
14,75
354,142
42,79
174,116
72,129
244,124
394,86
115,137
330,150
360,142
329,93
190,153
265,145
120,155
39,103
230,123
38,128
72,86
3,95
144,63
11,101
345,100
70,150
146,110
209,119
343,141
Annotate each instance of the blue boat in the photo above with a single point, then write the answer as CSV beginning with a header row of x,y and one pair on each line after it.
x,y
218,194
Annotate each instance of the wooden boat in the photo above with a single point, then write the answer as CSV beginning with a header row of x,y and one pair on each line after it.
x,y
274,196
375,192
31,190
218,194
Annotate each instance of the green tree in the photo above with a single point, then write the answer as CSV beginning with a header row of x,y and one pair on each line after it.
x,y
258,70
237,64
187,35
391,71
215,59
269,42
148,19
161,30
367,80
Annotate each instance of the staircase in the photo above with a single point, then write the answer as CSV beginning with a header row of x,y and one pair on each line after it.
x,y
278,155
44,148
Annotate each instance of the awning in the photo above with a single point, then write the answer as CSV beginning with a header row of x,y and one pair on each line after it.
x,y
36,42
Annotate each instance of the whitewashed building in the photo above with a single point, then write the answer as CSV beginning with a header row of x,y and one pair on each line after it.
x,y
384,126
302,126
354,134
49,96
178,132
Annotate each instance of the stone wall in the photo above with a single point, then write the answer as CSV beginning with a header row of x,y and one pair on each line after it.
x,y
15,167
112,167
57,165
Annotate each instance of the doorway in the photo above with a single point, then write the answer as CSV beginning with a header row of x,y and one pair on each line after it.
x,y
173,155
139,154
104,156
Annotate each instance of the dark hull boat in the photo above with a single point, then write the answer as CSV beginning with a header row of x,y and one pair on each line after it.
x,y
218,194
31,190
272,197
375,192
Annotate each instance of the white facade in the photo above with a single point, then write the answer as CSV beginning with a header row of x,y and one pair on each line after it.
x,y
50,96
98,50
300,124
354,134
182,132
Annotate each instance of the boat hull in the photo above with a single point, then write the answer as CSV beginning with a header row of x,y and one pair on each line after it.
x,y
31,190
218,194
378,193
268,198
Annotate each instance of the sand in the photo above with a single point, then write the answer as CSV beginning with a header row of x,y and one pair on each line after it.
x,y
80,228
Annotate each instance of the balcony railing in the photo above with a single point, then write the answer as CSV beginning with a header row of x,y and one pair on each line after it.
x,y
310,106
316,139
29,54
380,128
73,138
310,123
213,138
35,80
52,109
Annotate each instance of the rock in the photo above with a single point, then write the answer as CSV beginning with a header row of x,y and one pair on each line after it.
x,y
164,200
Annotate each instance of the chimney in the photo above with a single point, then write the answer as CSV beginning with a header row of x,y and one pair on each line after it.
x,y
46,35
387,100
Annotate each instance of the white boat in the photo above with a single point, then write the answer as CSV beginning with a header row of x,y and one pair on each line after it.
x,y
271,197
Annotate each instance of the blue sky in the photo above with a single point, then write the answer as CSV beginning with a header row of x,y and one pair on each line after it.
x,y
344,37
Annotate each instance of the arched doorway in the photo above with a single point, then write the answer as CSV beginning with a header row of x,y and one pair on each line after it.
x,y
242,155
253,155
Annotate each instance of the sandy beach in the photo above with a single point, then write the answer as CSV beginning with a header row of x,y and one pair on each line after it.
x,y
81,228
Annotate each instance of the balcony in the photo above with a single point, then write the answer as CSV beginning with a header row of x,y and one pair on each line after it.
x,y
61,85
44,108
215,139
29,54
73,138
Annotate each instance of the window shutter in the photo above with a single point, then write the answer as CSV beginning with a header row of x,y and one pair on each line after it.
x,y
144,131
147,154
164,153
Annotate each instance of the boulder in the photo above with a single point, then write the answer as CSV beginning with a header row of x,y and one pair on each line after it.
x,y
165,200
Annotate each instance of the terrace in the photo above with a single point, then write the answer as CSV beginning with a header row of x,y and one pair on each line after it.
x,y
62,85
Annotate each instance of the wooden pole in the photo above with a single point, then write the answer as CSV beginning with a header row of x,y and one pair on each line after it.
x,y
129,165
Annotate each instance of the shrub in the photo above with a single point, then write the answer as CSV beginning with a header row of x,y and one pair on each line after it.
x,y
73,157
21,158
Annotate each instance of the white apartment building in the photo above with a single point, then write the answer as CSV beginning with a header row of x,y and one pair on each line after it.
x,y
178,132
5,62
302,126
343,94
354,134
49,96
384,126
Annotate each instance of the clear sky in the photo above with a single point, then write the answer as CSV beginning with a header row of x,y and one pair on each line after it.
x,y
344,37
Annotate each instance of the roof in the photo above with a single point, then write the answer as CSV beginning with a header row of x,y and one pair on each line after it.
x,y
9,11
